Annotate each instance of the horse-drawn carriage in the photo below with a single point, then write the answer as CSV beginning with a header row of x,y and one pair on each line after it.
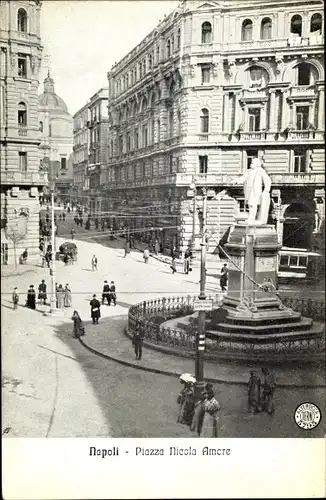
x,y
67,252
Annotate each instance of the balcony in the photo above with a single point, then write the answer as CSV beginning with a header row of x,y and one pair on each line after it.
x,y
233,180
280,43
302,134
22,130
24,178
203,137
253,136
302,91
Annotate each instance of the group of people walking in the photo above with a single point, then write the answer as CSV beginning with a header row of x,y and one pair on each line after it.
x,y
109,293
63,296
201,416
261,395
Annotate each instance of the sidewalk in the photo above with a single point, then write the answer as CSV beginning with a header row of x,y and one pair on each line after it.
x,y
108,339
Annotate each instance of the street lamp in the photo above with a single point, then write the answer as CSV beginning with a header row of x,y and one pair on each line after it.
x,y
201,334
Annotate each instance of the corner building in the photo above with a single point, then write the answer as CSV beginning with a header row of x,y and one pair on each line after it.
x,y
21,179
214,85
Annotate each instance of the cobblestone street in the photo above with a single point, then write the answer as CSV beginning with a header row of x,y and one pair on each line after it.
x,y
53,386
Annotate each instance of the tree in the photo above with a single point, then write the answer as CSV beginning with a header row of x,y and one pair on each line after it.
x,y
16,231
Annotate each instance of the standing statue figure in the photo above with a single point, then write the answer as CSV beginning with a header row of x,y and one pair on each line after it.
x,y
255,179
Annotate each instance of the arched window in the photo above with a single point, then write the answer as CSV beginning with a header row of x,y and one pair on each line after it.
x,y
150,61
266,29
258,77
22,114
204,121
158,54
22,20
168,48
206,32
172,44
304,74
316,24
296,25
144,67
40,127
246,31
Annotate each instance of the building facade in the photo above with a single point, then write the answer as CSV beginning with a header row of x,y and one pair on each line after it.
x,y
91,152
56,133
216,84
80,156
21,178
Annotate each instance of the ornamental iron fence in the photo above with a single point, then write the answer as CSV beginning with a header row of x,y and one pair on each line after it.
x,y
149,315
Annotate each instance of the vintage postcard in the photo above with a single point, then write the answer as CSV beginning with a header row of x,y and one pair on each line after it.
x,y
162,248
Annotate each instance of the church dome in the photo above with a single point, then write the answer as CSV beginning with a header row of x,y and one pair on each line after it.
x,y
49,99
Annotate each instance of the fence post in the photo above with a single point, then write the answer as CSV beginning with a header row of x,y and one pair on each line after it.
x,y
144,307
163,304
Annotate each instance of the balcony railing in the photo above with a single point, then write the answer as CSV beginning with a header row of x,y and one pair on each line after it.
x,y
24,178
253,136
302,134
22,130
203,137
302,91
231,180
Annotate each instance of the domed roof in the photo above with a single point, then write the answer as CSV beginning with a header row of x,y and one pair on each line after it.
x,y
49,99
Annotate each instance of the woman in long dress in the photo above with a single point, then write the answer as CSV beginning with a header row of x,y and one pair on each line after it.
x,y
211,408
60,297
67,297
186,401
79,328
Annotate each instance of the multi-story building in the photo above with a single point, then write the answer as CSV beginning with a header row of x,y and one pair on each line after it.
x,y
56,133
98,149
214,85
91,151
80,156
21,178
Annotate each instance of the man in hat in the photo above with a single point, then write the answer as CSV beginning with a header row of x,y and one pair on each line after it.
x,y
137,342
254,392
268,391
106,293
95,310
113,295
42,292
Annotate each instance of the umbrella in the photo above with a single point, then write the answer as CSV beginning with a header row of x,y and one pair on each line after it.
x,y
69,245
188,378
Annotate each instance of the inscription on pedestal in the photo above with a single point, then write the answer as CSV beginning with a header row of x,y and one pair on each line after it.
x,y
265,264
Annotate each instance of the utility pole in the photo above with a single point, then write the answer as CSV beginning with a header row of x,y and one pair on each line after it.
x,y
200,338
53,301
193,235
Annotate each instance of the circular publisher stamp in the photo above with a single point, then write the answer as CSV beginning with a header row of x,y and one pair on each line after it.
x,y
307,416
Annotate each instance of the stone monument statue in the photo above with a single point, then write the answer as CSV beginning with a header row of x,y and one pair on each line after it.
x,y
255,179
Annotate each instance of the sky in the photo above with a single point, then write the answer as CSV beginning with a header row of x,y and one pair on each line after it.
x,y
82,39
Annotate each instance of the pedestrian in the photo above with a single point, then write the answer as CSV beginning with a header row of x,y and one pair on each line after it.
x,y
211,419
199,412
224,277
269,386
106,293
146,255
31,298
60,293
174,252
187,403
254,392
66,258
60,217
15,298
137,342
42,292
173,266
94,263
187,261
64,216
24,257
157,247
72,233
95,310
127,247
67,296
79,328
102,224
113,295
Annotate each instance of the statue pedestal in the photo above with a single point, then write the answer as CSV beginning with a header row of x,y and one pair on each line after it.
x,y
253,252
